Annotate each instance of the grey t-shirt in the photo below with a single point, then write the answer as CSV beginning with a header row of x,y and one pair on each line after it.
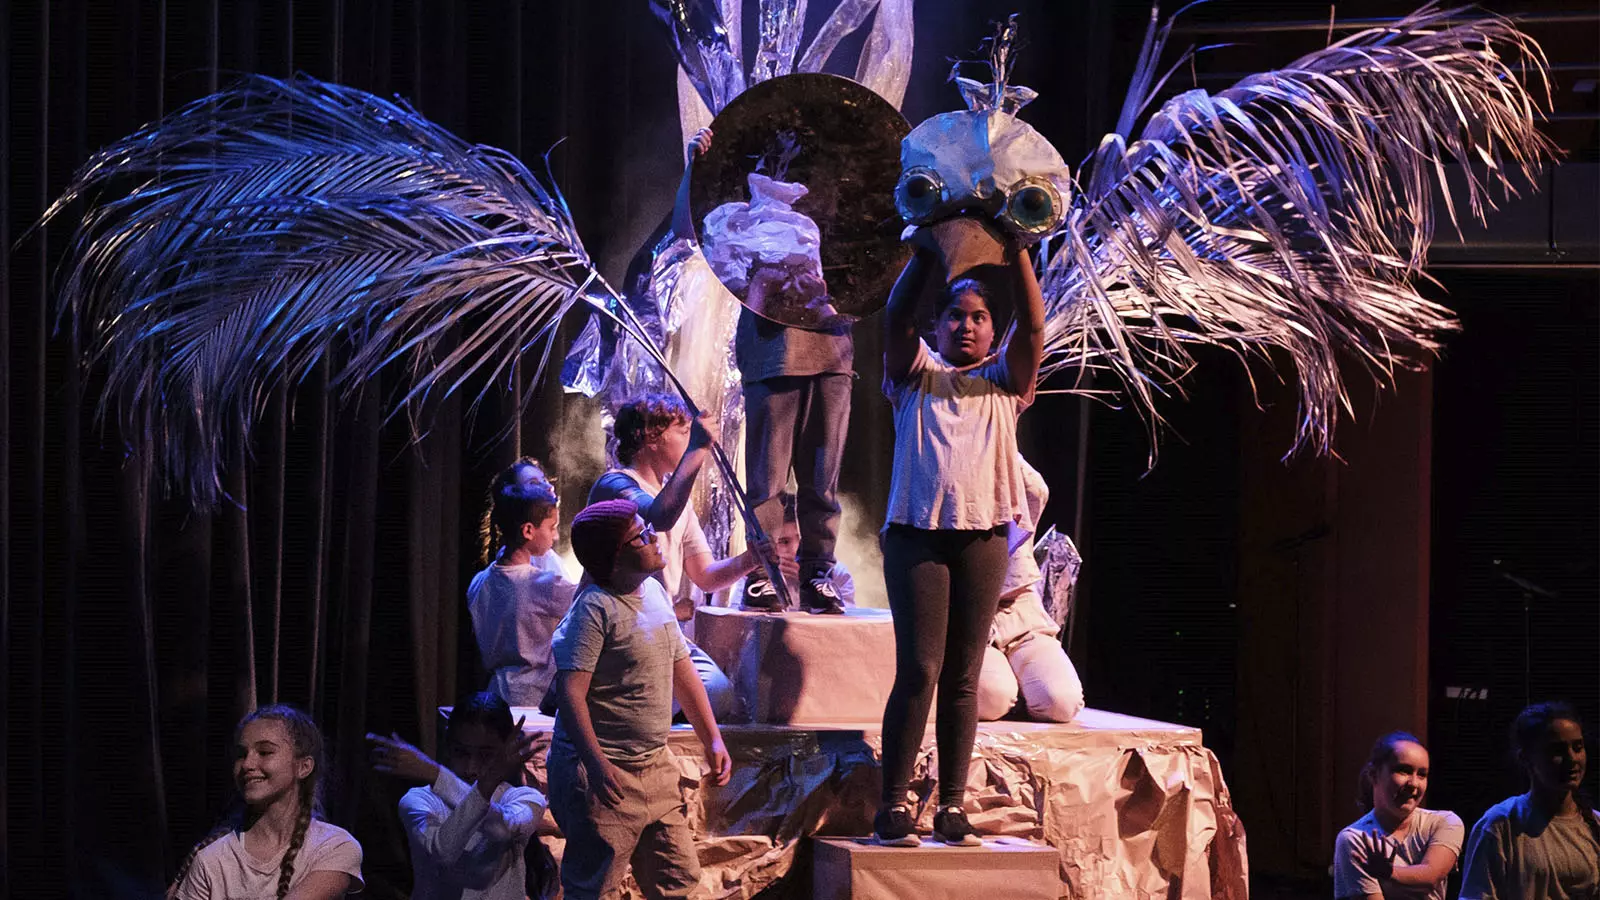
x,y
629,642
1428,828
764,349
1517,853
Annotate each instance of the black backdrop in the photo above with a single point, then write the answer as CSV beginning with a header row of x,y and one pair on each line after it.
x,y
136,630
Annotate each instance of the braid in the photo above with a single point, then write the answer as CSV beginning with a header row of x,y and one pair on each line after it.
x,y
228,824
302,823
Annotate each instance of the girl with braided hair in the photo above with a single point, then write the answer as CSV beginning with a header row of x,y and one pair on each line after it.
x,y
1545,844
274,840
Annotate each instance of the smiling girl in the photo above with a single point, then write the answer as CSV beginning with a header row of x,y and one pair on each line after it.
x,y
274,842
1398,849
1545,844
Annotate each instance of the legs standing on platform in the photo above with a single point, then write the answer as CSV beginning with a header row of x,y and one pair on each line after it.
x,y
943,587
798,422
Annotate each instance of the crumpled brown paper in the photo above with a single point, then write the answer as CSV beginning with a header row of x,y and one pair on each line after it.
x,y
1136,809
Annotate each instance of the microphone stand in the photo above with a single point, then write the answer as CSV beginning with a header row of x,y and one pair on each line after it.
x,y
1529,590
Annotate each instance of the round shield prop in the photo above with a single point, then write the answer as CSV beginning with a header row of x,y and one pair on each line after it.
x,y
841,141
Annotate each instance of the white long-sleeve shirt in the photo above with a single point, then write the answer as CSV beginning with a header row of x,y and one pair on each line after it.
x,y
464,847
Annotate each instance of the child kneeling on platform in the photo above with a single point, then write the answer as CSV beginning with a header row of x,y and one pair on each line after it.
x,y
1025,654
620,660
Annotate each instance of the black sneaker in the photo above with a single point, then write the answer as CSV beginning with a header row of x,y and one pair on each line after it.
x,y
950,826
760,595
819,596
894,827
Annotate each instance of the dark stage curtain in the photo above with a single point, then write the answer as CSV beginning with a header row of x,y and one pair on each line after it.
x,y
136,629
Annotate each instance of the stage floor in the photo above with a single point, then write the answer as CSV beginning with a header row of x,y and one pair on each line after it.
x,y
1092,727
1136,808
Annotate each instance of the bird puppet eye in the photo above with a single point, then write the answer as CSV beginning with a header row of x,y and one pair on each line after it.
x,y
1034,208
920,192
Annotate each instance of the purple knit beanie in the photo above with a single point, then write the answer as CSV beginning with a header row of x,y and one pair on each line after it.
x,y
598,532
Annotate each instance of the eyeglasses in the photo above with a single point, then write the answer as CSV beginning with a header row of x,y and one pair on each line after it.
x,y
644,537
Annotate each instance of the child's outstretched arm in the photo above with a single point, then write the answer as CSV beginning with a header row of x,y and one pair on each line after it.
x,y
1025,348
682,218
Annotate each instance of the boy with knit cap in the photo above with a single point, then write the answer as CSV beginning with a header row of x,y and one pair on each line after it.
x,y
620,661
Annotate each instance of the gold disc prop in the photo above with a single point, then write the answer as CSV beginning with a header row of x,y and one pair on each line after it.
x,y
842,141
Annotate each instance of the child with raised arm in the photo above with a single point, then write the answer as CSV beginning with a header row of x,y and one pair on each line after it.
x,y
469,825
660,449
956,486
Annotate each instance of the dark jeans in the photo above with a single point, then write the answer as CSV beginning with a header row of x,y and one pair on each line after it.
x,y
798,421
943,590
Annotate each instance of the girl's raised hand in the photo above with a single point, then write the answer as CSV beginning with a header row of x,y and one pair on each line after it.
x,y
1380,853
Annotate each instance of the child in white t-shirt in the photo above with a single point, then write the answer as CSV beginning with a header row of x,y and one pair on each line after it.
x,y
956,487
517,601
274,840
470,824
1398,849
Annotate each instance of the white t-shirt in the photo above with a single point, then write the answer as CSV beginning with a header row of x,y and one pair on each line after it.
x,y
1429,828
224,870
1517,853
956,464
464,847
515,610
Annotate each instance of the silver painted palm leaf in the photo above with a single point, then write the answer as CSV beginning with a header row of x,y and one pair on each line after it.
x,y
1291,212
279,224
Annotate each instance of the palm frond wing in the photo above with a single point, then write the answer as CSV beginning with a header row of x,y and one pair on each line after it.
x,y
1293,211
280,223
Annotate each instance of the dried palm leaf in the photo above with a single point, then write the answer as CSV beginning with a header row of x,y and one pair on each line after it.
x,y
1291,211
282,223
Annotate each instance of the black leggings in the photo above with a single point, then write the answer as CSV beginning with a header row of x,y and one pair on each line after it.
x,y
943,589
